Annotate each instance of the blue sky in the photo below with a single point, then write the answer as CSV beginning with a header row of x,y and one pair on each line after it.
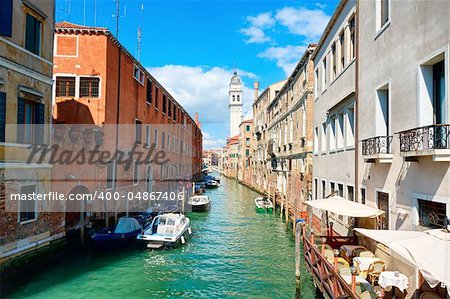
x,y
192,46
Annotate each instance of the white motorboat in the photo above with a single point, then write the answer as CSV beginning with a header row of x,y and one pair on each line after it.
x,y
199,203
166,231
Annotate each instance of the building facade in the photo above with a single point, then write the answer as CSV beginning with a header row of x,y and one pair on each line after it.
x,y
245,151
232,157
334,110
99,83
404,112
290,117
26,61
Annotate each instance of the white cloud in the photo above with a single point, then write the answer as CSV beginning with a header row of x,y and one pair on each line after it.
x,y
210,142
204,90
254,35
255,32
302,21
321,5
285,57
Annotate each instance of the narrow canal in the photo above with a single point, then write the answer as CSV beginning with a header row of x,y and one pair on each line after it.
x,y
233,253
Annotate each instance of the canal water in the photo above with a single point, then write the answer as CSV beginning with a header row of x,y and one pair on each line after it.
x,y
233,253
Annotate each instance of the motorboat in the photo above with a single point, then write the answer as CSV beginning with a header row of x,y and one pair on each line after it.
x,y
124,233
199,203
263,205
165,231
211,184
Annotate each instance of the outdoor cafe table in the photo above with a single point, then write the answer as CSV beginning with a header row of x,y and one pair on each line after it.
x,y
346,251
389,279
363,263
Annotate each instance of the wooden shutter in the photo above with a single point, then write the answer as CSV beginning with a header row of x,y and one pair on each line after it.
x,y
6,18
20,119
2,116
39,114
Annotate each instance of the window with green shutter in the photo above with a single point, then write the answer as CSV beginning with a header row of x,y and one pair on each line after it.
x,y
33,34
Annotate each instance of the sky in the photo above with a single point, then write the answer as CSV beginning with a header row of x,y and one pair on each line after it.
x,y
193,46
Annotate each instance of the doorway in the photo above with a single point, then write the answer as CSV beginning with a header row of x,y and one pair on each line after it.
x,y
383,204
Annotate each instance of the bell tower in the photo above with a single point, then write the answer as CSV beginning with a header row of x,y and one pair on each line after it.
x,y
235,104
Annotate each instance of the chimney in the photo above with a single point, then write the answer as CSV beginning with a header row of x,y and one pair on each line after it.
x,y
255,90
196,119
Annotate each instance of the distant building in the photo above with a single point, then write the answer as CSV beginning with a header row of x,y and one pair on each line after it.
x,y
235,104
26,62
210,158
232,160
245,150
334,110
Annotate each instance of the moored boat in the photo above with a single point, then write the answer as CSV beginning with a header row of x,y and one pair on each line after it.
x,y
211,184
165,231
124,233
199,203
263,205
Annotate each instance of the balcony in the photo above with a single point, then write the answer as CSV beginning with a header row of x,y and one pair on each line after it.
x,y
377,149
431,141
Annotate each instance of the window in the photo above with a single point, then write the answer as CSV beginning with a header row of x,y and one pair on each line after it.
x,y
332,187
149,91
30,114
89,87
382,9
363,196
350,193
175,111
342,49
247,128
110,175
316,83
382,112
324,189
324,75
169,108
315,189
247,152
350,127
27,208
155,138
138,130
432,214
332,134
156,96
33,34
341,190
138,75
65,86
352,37
340,131
333,61
147,136
173,143
136,173
164,104
6,17
316,140
149,178
2,116
163,140
168,142
247,141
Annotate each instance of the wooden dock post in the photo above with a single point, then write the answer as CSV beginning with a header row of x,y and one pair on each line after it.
x,y
286,212
184,199
335,282
298,237
354,272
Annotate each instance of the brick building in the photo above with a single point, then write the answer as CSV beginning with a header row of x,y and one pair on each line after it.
x,y
98,82
232,162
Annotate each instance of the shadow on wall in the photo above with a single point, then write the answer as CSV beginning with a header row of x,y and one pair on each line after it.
x,y
73,112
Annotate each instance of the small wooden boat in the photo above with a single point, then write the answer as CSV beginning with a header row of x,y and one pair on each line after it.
x,y
199,203
165,231
124,233
211,184
263,205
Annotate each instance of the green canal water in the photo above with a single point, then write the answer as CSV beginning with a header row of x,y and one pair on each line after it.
x,y
233,253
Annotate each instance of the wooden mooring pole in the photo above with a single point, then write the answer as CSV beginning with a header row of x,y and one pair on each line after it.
x,y
298,237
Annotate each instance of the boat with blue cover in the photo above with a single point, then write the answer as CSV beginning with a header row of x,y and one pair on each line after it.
x,y
123,234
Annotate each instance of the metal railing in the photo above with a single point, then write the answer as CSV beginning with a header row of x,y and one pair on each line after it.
x,y
377,145
425,138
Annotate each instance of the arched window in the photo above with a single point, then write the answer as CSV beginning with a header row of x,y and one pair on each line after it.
x,y
238,98
233,98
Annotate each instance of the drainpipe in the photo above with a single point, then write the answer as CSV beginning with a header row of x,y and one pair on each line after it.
x,y
356,192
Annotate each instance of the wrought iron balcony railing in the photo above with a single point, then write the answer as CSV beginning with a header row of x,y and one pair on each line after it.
x,y
377,145
425,138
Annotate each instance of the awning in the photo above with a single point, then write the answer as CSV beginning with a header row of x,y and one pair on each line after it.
x,y
342,206
428,250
